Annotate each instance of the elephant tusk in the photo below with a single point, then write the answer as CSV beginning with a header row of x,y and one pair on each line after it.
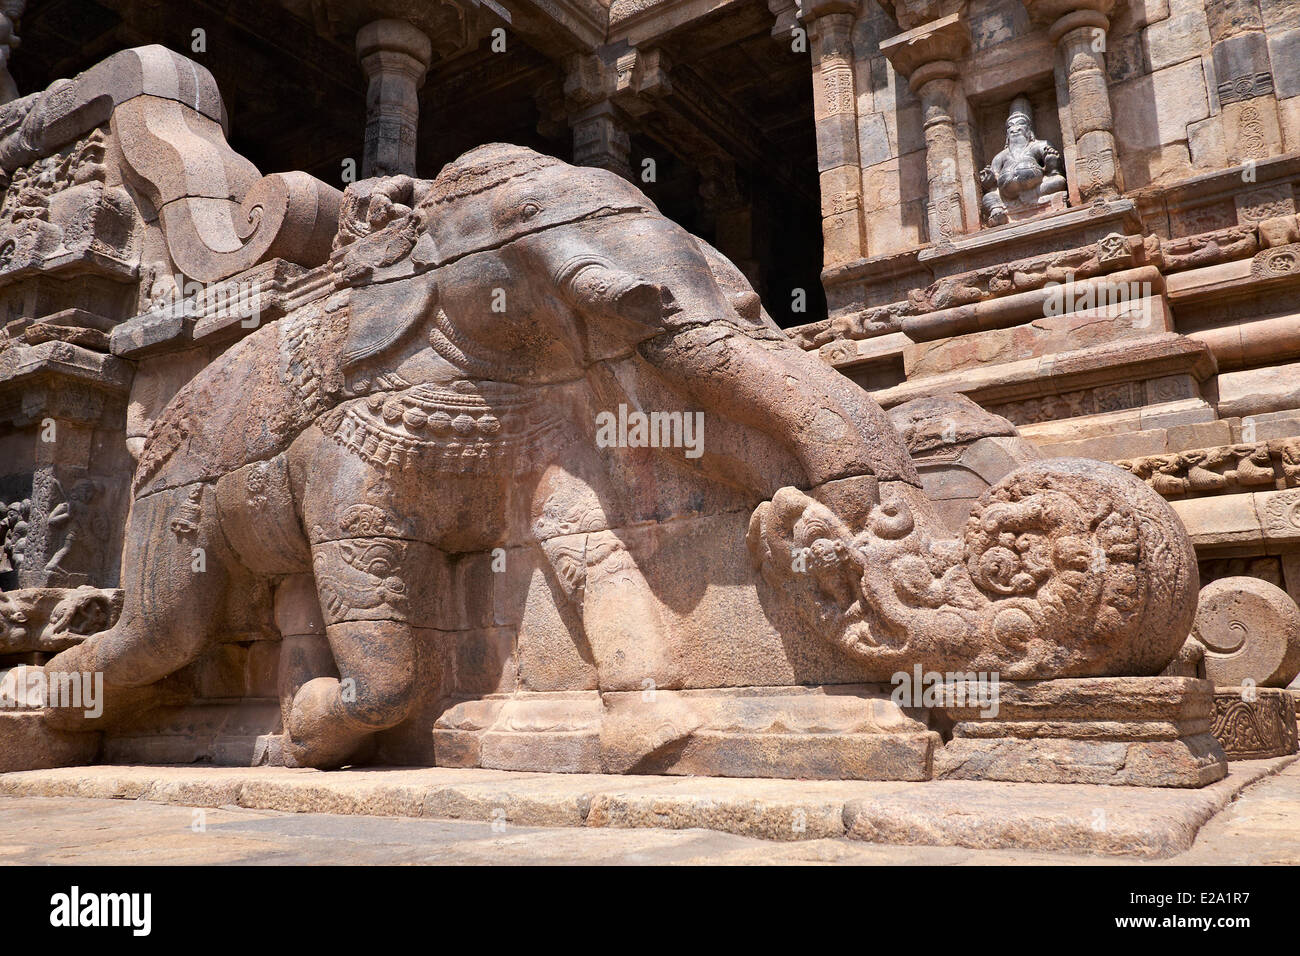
x,y
593,282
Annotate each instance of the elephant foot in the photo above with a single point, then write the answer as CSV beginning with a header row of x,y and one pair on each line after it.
x,y
320,734
636,733
72,694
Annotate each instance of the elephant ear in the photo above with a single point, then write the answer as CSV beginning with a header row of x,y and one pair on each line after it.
x,y
380,314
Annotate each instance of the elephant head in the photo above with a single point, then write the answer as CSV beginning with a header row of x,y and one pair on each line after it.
x,y
513,266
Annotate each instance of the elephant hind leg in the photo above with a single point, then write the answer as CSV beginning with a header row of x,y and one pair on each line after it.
x,y
332,718
175,576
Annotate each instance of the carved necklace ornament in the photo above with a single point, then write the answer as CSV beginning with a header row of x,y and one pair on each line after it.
x,y
467,428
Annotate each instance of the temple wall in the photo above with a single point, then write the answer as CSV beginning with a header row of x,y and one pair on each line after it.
x,y
1178,127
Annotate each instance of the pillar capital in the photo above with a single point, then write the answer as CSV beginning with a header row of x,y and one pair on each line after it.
x,y
396,38
945,40
816,9
1047,13
395,56
914,13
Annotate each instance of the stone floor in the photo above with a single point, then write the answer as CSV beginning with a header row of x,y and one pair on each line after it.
x,y
206,815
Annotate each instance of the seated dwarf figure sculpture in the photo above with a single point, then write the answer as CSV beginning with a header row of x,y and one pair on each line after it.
x,y
442,399
1027,176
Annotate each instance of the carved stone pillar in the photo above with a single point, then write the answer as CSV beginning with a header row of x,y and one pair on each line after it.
x,y
602,96
830,30
945,213
927,56
395,56
730,213
1078,28
1244,80
601,139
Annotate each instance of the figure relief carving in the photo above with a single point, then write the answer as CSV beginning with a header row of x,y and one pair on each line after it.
x,y
1275,262
83,529
1212,470
60,203
1027,176
361,579
13,534
1268,203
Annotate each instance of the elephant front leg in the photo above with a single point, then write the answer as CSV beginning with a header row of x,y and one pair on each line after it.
x,y
623,620
363,596
629,638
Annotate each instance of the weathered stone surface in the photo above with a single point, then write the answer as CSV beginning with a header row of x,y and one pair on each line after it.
x,y
1062,817
387,501
1151,732
52,619
1002,571
835,733
1254,723
408,459
1251,632
28,743
962,814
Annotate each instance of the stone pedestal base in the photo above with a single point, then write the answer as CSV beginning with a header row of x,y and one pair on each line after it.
x,y
233,733
825,733
1025,211
28,743
1254,725
1134,731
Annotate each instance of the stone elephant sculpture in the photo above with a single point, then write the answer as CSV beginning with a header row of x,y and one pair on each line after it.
x,y
441,396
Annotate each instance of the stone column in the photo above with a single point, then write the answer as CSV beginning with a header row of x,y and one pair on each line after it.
x,y
731,214
600,131
600,139
830,34
934,84
1080,37
395,56
927,56
604,95
1244,84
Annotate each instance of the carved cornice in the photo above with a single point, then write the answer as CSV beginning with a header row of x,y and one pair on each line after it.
x,y
453,26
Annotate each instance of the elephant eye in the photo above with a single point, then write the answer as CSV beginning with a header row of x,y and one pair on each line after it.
x,y
530,208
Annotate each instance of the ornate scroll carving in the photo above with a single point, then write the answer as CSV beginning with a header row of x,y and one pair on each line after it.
x,y
1251,729
1066,568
